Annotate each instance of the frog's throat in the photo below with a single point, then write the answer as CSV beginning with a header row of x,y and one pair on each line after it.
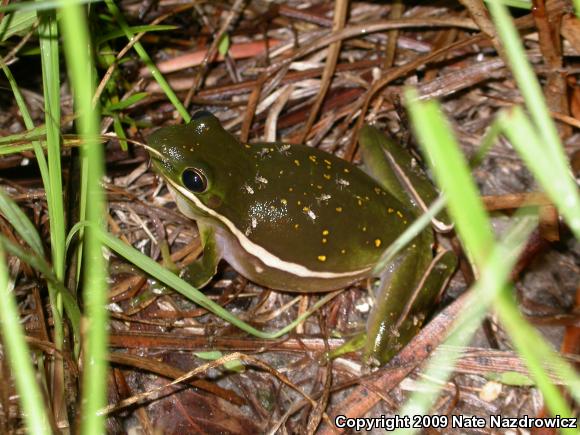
x,y
258,251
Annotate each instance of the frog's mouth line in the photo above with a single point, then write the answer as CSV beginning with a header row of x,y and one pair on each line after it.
x,y
258,251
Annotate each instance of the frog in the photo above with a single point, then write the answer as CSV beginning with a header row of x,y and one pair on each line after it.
x,y
295,218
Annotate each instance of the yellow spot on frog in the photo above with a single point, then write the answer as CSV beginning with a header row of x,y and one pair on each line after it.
x,y
298,202
296,226
400,214
324,240
343,251
247,146
346,170
272,149
329,163
339,209
364,229
390,210
290,189
296,162
377,191
312,159
378,242
191,149
318,186
284,201
306,209
327,176
282,171
359,202
322,257
325,232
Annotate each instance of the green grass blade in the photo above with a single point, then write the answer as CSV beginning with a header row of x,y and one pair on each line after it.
x,y
134,29
18,219
15,149
452,173
18,355
520,4
551,170
17,23
50,60
124,104
492,280
39,263
38,151
527,81
431,127
118,128
546,157
45,5
80,68
36,133
535,352
146,59
48,34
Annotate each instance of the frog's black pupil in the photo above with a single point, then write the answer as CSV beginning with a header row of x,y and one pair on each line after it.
x,y
194,180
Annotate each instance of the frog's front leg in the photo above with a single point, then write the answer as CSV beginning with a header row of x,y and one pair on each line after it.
x,y
201,271
406,295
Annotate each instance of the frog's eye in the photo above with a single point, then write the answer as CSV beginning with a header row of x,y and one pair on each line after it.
x,y
194,180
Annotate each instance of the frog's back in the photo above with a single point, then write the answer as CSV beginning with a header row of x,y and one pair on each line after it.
x,y
289,217
308,207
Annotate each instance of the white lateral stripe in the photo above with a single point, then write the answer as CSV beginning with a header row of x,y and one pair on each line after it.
x,y
265,256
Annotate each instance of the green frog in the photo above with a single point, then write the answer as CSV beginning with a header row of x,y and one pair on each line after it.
x,y
298,219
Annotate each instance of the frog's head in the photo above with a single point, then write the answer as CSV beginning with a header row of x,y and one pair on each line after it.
x,y
202,163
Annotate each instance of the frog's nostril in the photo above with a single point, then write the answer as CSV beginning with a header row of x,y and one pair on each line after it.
x,y
200,114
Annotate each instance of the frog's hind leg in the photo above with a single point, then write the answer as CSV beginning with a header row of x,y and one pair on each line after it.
x,y
201,271
393,167
404,299
410,287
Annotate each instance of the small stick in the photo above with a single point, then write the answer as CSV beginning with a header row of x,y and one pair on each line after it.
x,y
515,200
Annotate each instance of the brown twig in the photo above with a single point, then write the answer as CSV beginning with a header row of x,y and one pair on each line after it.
x,y
362,399
395,13
551,47
233,15
340,10
480,15
168,371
